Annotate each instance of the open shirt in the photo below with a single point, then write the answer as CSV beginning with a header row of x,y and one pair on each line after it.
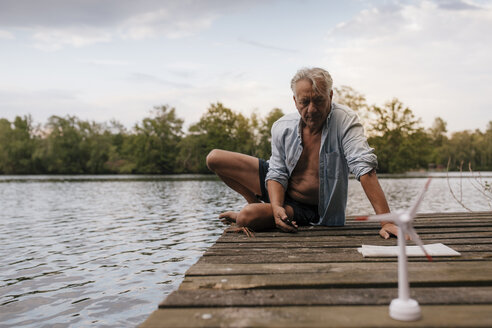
x,y
343,149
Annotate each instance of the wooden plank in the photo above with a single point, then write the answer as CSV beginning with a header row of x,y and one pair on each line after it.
x,y
455,214
431,275
347,242
463,214
318,296
294,237
276,251
207,269
444,219
478,231
420,224
417,224
318,316
439,218
476,227
328,257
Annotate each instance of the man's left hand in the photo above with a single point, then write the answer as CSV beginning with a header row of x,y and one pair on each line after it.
x,y
387,230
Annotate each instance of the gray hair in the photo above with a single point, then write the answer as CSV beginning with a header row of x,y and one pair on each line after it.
x,y
320,78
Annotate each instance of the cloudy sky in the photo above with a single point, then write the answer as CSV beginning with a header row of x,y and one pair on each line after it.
x,y
116,59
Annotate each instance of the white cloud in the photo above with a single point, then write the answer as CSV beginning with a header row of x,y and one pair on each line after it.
x,y
148,78
42,103
54,39
130,107
106,62
434,59
164,22
6,35
267,46
190,102
55,24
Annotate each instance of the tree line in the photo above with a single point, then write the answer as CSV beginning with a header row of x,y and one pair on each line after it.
x,y
158,144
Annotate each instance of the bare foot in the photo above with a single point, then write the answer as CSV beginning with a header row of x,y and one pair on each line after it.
x,y
228,217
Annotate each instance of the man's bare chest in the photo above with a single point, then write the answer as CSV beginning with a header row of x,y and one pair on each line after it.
x,y
309,160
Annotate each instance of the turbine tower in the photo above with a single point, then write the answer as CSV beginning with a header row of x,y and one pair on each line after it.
x,y
404,308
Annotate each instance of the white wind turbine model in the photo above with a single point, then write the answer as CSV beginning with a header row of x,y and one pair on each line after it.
x,y
403,308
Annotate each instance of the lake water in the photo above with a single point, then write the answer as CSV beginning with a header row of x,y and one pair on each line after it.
x,y
103,251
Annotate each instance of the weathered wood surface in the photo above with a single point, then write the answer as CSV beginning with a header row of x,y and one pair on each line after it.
x,y
345,242
317,278
381,274
332,256
318,316
461,269
325,296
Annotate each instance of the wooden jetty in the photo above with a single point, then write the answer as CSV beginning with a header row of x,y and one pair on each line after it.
x,y
316,278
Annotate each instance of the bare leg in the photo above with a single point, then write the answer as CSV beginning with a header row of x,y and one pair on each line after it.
x,y
240,172
259,216
241,189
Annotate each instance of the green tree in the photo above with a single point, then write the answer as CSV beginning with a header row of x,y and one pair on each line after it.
x,y
439,141
470,148
461,150
17,145
438,132
487,147
5,132
155,146
120,156
219,128
264,149
224,129
193,150
63,151
394,117
350,97
399,142
98,142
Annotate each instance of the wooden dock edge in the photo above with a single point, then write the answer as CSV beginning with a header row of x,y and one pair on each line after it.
x,y
316,278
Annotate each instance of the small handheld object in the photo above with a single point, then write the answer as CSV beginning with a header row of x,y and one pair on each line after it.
x,y
288,221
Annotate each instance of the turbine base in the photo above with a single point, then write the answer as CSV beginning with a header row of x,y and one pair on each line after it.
x,y
405,310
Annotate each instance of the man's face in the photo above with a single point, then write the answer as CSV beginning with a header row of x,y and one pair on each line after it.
x,y
313,107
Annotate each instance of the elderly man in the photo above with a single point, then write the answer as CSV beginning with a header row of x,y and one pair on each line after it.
x,y
306,180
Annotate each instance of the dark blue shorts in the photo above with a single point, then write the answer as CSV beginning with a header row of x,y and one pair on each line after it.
x,y
304,214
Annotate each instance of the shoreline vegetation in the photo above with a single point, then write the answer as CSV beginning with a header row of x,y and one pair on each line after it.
x,y
158,144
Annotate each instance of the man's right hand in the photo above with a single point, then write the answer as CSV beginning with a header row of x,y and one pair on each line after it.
x,y
282,220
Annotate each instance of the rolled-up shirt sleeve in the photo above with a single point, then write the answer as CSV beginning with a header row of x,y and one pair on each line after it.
x,y
277,170
359,155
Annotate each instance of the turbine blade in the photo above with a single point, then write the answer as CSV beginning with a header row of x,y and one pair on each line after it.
x,y
393,217
414,208
418,241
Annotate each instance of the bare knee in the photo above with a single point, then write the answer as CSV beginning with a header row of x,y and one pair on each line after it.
x,y
214,158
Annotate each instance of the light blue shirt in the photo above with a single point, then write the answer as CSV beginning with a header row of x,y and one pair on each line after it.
x,y
343,148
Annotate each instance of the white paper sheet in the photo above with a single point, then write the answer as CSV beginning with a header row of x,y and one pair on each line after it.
x,y
391,251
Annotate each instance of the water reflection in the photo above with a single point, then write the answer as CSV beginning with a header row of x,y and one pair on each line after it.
x,y
104,251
